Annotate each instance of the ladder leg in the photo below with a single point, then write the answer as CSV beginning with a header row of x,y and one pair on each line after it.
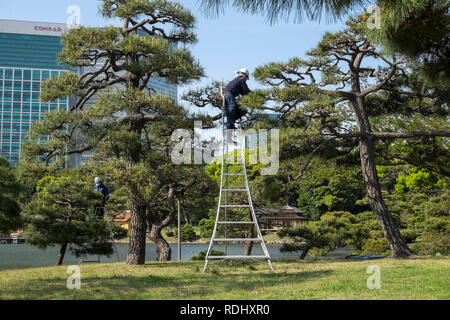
x,y
112,236
208,252
206,264
270,264
226,186
258,230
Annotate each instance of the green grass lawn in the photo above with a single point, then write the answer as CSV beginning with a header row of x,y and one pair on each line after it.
x,y
414,278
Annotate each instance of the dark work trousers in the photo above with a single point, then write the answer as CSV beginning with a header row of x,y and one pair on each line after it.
x,y
232,110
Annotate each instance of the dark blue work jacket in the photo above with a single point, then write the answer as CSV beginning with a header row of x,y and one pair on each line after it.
x,y
104,190
236,87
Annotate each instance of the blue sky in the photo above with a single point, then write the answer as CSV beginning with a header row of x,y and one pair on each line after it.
x,y
227,43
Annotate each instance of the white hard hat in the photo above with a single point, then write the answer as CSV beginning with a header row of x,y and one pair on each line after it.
x,y
97,180
243,71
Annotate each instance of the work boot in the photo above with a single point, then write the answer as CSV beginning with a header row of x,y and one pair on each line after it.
x,y
233,136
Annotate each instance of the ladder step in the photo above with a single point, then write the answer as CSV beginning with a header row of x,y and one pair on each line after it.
x,y
236,222
235,206
235,239
238,257
233,174
234,189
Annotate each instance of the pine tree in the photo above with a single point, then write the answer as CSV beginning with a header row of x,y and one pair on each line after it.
x,y
128,113
9,190
428,21
275,10
61,212
325,100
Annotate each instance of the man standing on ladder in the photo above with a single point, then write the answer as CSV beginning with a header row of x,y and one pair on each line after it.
x,y
238,86
100,187
100,211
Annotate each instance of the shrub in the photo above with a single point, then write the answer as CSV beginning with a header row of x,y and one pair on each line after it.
x,y
202,254
436,236
170,233
119,232
206,227
408,235
187,233
376,245
318,237
416,248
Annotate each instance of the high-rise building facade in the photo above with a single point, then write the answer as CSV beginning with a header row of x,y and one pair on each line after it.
x,y
28,57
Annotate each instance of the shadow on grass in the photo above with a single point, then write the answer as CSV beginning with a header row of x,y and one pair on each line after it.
x,y
92,287
184,284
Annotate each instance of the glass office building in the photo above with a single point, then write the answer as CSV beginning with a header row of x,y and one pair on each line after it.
x,y
28,57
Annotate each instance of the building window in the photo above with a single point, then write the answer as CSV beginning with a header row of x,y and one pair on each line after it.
x,y
27,85
35,96
26,74
6,106
6,127
7,95
36,75
8,85
17,96
18,74
36,86
8,74
16,127
25,117
26,96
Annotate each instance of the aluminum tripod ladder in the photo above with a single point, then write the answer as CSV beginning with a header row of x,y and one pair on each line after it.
x,y
83,258
223,214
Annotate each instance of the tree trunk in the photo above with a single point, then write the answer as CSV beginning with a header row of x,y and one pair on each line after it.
x,y
62,252
155,226
187,217
248,248
162,246
138,226
251,234
397,245
304,253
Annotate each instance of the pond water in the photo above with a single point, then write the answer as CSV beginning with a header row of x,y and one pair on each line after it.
x,y
24,255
